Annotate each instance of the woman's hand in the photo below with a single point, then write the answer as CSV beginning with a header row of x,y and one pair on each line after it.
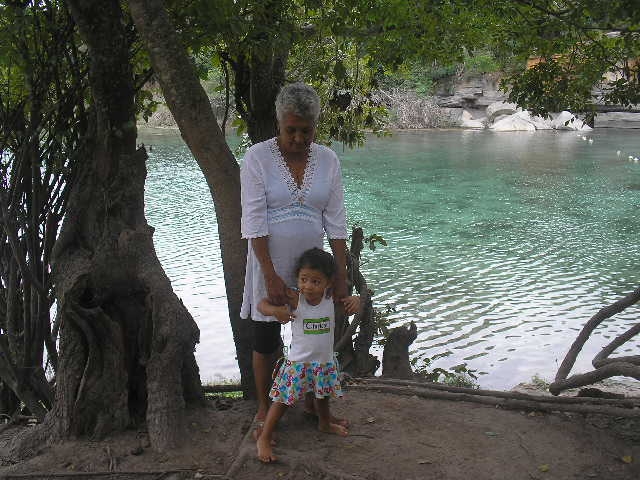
x,y
283,314
276,289
351,305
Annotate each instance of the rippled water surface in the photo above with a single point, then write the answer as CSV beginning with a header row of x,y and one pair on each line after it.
x,y
500,245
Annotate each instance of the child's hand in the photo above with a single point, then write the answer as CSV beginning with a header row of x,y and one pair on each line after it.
x,y
283,314
351,304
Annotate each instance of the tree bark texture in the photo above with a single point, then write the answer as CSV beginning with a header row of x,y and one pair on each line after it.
x,y
259,76
126,341
354,355
192,111
259,72
395,357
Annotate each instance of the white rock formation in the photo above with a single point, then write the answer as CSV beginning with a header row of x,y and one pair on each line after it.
x,y
568,121
500,108
467,121
513,123
538,122
507,117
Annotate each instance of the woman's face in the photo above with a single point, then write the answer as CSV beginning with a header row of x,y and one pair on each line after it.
x,y
296,134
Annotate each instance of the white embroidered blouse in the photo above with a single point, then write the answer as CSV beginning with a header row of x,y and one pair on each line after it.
x,y
293,218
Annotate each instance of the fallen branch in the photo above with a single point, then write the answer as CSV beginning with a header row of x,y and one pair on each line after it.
x,y
504,402
618,402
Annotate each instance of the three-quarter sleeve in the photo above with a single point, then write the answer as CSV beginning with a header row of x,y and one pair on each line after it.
x,y
253,199
334,217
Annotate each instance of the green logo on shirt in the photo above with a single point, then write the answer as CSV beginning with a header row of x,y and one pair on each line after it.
x,y
316,326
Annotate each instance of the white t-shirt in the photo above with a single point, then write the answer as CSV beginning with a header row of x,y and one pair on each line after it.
x,y
312,332
293,218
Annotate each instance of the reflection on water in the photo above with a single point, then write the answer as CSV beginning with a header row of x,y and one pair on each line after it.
x,y
501,245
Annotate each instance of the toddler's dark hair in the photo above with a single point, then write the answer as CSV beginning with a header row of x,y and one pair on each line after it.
x,y
317,259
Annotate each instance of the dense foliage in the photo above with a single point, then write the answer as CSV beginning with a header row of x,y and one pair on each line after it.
x,y
588,52
43,128
349,48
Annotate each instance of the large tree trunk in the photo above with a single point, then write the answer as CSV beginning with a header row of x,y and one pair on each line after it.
x,y
126,341
259,71
258,79
192,111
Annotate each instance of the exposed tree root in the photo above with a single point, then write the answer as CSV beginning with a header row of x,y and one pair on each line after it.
x,y
605,367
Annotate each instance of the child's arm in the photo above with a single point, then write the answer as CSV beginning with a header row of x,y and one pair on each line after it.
x,y
351,304
283,313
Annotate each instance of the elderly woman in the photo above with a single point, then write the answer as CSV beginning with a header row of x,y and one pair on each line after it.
x,y
291,195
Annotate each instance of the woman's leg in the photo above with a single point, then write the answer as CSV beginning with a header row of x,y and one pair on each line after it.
x,y
324,419
265,453
266,349
262,368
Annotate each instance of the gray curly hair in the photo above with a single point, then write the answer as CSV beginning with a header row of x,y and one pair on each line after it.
x,y
299,99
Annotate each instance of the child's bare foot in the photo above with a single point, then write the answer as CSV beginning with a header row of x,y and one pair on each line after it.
x,y
339,421
265,454
335,429
332,419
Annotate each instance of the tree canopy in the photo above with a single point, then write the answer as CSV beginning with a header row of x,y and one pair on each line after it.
x,y
580,45
68,136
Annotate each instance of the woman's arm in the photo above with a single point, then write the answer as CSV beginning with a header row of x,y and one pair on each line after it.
x,y
334,220
339,249
276,288
255,227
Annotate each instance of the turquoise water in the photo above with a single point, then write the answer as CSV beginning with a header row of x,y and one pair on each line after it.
x,y
500,245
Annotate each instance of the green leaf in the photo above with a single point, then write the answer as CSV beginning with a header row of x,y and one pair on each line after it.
x,y
340,72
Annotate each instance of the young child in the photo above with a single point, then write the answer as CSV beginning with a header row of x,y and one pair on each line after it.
x,y
310,365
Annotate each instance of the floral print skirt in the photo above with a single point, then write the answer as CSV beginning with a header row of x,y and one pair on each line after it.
x,y
294,379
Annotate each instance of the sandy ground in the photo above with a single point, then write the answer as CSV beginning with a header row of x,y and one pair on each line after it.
x,y
391,437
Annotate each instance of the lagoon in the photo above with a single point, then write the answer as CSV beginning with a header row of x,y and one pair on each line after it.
x,y
501,245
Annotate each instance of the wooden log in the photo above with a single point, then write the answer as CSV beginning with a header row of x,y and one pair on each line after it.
x,y
626,402
509,403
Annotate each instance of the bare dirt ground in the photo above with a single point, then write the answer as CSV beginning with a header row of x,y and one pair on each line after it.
x,y
391,437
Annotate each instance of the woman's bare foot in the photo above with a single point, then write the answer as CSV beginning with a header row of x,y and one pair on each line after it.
x,y
257,426
335,429
265,453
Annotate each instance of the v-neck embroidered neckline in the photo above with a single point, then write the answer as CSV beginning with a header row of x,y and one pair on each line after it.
x,y
298,193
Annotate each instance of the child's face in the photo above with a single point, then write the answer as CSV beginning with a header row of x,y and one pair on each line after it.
x,y
312,284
